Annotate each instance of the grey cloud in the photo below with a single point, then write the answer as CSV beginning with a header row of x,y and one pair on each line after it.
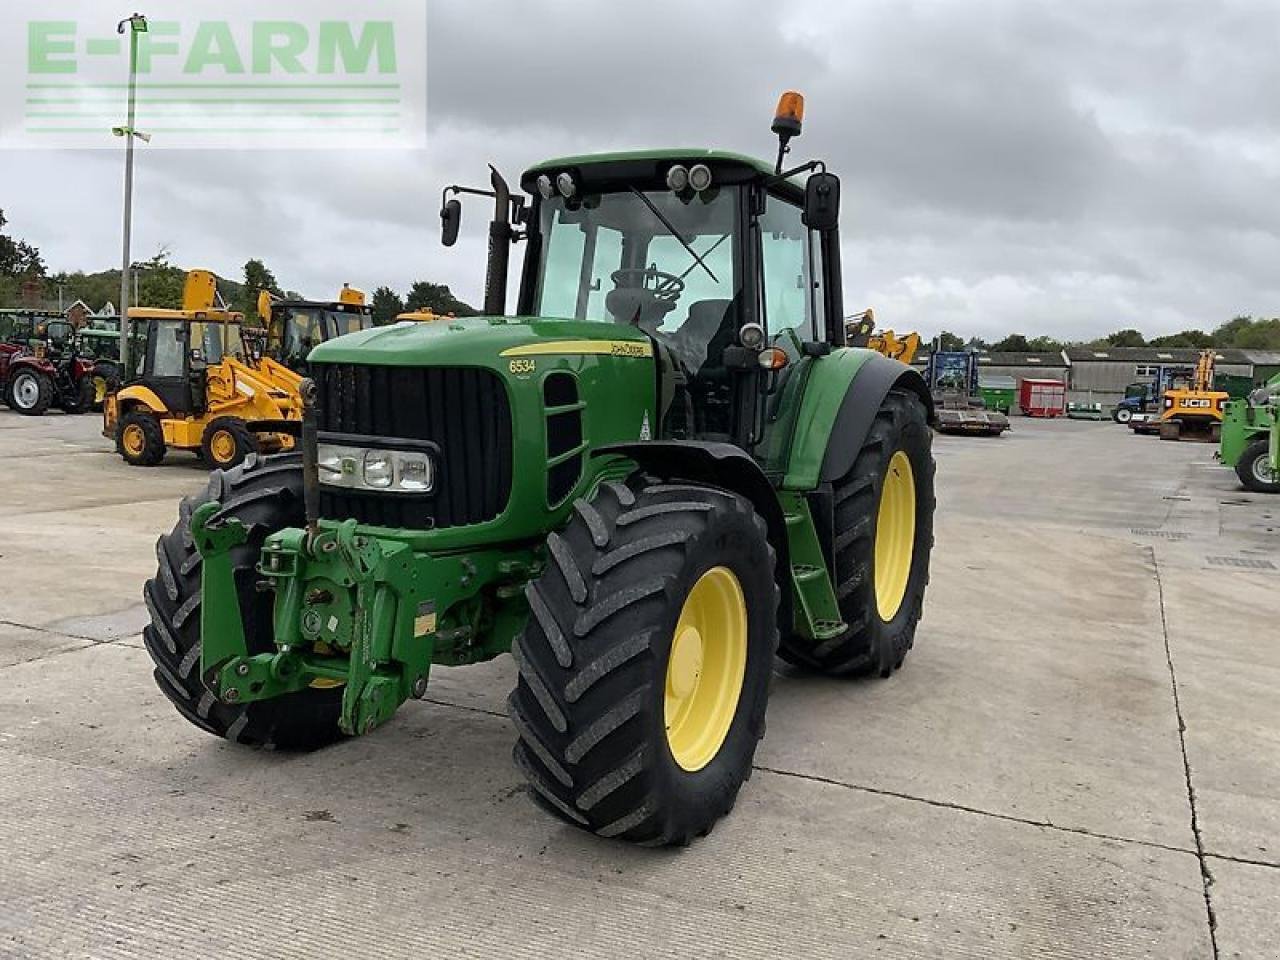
x,y
1039,166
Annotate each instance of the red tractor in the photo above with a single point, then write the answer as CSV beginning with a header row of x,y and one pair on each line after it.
x,y
40,366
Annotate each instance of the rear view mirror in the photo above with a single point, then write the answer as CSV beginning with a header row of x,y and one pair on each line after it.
x,y
450,220
822,202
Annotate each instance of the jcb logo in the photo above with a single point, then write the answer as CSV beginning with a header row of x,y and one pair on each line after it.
x,y
1198,404
522,367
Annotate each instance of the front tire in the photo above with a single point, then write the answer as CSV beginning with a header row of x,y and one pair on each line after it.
x,y
646,660
1122,415
140,439
30,393
1254,468
265,494
883,538
226,443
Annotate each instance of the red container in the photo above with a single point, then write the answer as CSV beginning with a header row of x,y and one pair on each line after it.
x,y
1042,398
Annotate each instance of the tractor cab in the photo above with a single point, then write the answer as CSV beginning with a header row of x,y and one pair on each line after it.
x,y
691,249
295,327
727,265
171,353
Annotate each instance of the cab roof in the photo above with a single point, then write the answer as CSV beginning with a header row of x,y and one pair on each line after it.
x,y
335,305
204,316
603,169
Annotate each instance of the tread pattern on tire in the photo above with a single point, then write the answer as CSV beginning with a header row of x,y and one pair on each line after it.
x,y
245,441
869,646
1258,447
586,659
264,493
154,450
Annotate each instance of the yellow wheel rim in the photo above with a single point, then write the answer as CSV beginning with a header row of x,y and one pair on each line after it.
x,y
134,440
895,536
99,389
223,446
705,668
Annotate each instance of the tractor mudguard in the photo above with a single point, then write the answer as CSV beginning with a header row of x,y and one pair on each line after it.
x,y
870,385
720,465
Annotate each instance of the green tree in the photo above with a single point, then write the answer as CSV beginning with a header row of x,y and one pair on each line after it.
x,y
1185,339
1260,335
160,283
1126,338
1013,343
1044,345
948,342
18,259
437,298
256,279
387,305
1225,335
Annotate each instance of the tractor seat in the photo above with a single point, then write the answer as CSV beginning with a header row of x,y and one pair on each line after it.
x,y
702,338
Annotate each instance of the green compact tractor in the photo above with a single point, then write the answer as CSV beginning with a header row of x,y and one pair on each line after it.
x,y
661,471
1251,438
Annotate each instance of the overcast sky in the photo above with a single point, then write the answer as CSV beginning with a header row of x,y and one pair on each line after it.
x,y
1064,168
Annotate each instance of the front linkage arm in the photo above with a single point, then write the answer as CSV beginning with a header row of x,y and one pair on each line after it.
x,y
342,599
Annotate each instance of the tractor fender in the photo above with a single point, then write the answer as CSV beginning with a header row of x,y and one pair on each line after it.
x,y
139,396
24,361
719,465
841,397
857,412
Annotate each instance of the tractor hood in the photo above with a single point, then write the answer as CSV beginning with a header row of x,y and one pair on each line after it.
x,y
481,342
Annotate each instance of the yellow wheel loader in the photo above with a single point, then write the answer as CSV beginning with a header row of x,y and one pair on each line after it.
x,y
194,383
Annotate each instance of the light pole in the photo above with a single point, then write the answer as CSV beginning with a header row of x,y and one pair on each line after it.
x,y
136,25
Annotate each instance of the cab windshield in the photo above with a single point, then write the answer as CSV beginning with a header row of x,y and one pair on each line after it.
x,y
216,341
305,327
658,260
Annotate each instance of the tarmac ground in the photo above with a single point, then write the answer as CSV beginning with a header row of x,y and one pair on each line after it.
x,y
1080,757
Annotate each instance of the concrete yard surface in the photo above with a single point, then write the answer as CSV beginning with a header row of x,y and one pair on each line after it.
x,y
1080,758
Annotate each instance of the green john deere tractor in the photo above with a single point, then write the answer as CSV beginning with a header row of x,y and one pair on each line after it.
x,y
665,468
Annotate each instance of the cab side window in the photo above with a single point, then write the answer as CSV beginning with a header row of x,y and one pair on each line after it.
x,y
167,360
792,265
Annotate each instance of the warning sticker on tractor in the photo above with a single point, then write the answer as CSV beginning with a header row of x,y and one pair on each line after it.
x,y
424,623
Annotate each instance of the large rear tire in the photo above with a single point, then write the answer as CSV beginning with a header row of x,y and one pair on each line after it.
x,y
883,538
1254,468
646,660
30,393
265,494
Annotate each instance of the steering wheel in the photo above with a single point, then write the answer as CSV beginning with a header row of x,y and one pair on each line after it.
x,y
666,288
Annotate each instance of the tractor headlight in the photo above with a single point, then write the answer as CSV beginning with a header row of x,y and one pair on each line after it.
x,y
379,469
384,471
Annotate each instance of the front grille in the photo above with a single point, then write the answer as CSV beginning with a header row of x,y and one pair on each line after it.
x,y
463,411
